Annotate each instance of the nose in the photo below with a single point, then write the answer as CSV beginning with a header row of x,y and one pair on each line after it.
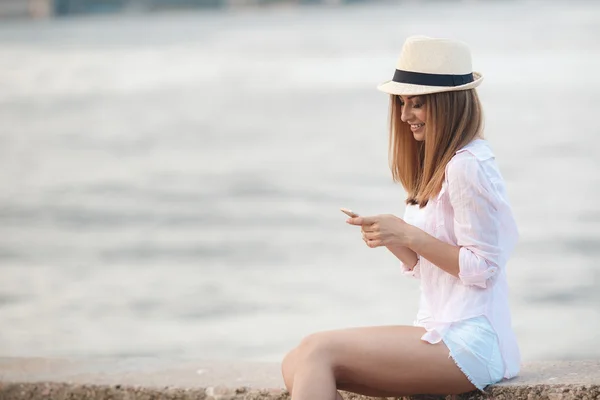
x,y
406,113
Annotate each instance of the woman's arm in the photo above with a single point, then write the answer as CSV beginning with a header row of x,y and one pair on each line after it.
x,y
477,256
478,218
407,242
407,256
441,254
409,260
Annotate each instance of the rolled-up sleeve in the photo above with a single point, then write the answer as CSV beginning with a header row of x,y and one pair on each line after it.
x,y
414,272
477,222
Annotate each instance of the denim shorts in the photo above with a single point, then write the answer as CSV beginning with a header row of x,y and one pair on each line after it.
x,y
473,345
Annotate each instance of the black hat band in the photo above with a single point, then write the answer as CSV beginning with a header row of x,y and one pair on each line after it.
x,y
420,78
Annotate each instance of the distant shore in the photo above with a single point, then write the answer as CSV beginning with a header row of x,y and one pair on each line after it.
x,y
41,9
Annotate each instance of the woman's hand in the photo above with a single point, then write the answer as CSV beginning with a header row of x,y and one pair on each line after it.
x,y
383,230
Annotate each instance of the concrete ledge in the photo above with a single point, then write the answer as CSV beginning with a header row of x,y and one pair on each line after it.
x,y
149,378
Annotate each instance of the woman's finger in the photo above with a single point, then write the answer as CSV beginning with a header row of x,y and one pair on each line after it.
x,y
374,243
362,220
371,235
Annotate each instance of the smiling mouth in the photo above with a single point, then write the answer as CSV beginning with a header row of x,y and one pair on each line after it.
x,y
415,127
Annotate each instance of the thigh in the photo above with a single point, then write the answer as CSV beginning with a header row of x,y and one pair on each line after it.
x,y
391,360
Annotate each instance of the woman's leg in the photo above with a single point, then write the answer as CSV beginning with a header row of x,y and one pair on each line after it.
x,y
377,361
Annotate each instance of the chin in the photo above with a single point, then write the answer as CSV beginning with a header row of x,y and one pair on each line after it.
x,y
419,137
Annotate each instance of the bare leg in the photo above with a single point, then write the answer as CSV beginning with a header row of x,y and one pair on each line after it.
x,y
382,361
314,380
288,370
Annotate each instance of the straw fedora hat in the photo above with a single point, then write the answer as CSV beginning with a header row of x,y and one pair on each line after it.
x,y
428,65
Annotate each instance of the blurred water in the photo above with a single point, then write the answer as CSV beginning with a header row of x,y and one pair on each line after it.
x,y
171,182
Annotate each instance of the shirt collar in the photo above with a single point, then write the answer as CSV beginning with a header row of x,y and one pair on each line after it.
x,y
480,148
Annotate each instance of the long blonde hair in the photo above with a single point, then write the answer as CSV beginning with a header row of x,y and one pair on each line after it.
x,y
453,120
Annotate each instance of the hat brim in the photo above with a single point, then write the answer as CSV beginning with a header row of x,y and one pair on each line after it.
x,y
408,89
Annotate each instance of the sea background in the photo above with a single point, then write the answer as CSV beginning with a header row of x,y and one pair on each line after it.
x,y
170,182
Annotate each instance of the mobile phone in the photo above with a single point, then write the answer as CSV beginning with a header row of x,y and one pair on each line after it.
x,y
349,213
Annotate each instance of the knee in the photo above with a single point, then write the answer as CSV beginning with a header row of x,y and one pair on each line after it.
x,y
314,348
288,368
323,350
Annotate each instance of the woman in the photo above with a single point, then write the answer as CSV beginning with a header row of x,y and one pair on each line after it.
x,y
456,236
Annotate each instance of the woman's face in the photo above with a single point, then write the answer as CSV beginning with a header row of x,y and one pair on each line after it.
x,y
414,112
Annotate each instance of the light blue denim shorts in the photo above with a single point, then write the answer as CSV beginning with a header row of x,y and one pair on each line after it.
x,y
473,345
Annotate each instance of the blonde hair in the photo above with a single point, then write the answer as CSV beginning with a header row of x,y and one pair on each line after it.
x,y
453,120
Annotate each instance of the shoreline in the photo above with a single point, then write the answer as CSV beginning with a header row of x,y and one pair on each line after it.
x,y
49,9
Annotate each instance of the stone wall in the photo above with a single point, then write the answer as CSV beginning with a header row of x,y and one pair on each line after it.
x,y
150,378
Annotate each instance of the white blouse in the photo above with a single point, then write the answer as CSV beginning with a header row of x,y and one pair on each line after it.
x,y
471,211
